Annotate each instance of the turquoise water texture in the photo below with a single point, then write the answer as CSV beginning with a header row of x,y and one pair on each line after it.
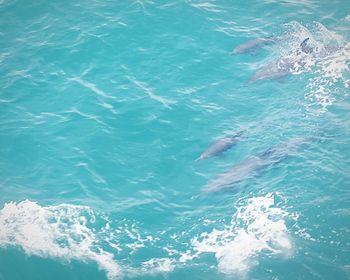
x,y
106,105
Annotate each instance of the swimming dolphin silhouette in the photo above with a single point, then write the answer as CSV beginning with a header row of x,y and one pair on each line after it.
x,y
284,65
252,45
220,146
253,166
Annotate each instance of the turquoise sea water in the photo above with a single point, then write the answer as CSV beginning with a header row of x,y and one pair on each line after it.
x,y
105,107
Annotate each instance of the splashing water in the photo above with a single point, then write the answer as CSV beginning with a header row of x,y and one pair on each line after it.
x,y
62,231
257,227
327,68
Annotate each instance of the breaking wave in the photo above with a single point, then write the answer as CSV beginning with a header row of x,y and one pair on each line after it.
x,y
63,231
69,232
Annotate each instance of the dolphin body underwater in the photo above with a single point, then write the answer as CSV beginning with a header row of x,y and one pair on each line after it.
x,y
253,166
254,44
284,65
220,146
277,69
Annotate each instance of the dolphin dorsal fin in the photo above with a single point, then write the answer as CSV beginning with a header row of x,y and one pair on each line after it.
x,y
304,46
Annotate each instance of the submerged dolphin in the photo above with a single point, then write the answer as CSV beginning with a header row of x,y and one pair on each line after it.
x,y
220,146
253,165
288,64
252,45
284,65
279,68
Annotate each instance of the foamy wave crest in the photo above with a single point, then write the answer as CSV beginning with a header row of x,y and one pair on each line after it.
x,y
63,231
258,227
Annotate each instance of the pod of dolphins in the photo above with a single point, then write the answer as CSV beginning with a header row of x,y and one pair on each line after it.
x,y
253,166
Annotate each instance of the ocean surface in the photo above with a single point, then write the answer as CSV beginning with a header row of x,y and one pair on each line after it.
x,y
106,106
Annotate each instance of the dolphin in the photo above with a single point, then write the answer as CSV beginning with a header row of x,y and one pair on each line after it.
x,y
306,47
254,44
279,68
284,65
253,166
220,146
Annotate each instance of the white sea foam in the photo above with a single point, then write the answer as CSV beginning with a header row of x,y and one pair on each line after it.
x,y
158,265
152,267
332,78
258,227
328,64
63,231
